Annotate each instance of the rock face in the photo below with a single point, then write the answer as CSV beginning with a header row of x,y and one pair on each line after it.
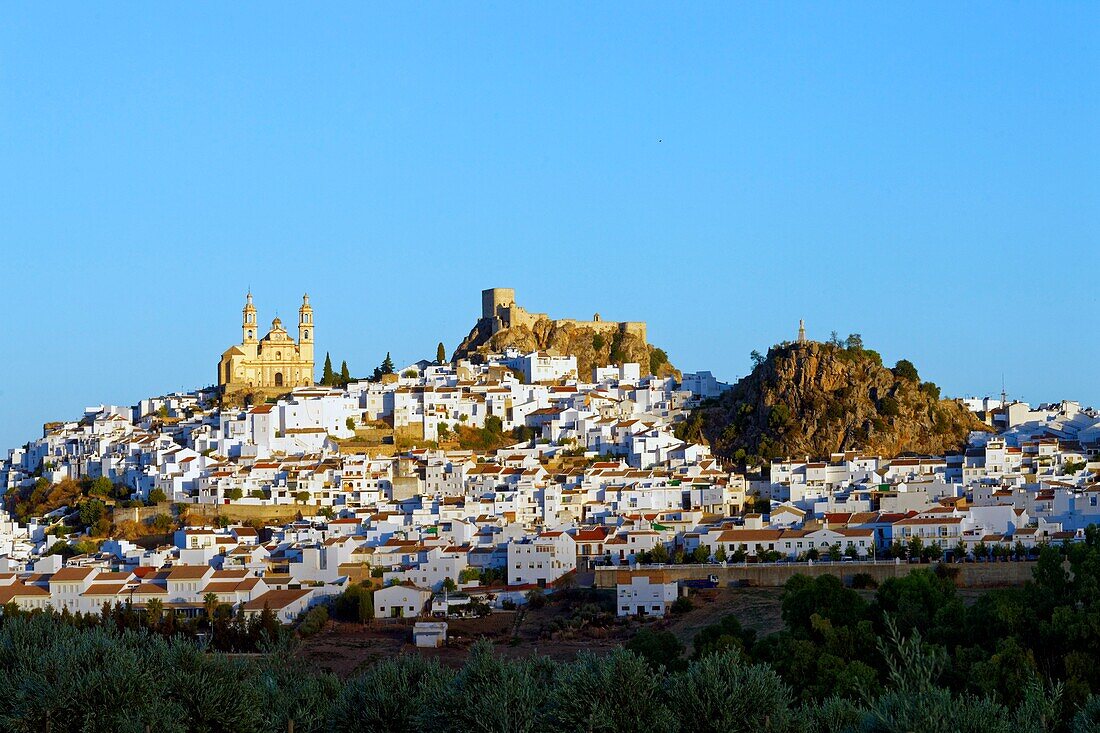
x,y
815,399
560,338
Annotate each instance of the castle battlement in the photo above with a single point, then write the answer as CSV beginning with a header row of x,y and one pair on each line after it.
x,y
498,306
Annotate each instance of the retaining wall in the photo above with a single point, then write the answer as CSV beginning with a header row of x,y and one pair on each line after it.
x,y
970,575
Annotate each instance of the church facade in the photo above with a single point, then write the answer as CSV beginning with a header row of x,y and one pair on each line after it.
x,y
275,363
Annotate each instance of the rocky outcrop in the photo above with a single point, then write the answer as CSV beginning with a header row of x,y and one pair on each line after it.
x,y
815,399
561,338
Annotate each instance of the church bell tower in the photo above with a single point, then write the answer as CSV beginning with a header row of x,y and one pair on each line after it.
x,y
248,324
305,332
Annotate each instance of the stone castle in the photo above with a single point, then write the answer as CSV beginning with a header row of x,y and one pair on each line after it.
x,y
499,311
273,364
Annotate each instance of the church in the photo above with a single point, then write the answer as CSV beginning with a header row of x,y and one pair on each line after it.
x,y
274,363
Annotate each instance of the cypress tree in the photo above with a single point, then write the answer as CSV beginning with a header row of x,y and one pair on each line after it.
x,y
440,353
387,365
327,375
345,377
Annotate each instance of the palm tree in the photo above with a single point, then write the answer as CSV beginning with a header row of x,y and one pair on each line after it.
x,y
209,604
154,610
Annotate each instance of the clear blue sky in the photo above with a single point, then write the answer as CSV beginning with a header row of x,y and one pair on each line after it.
x,y
924,174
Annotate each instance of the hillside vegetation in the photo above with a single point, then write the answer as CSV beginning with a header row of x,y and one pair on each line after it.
x,y
819,398
591,348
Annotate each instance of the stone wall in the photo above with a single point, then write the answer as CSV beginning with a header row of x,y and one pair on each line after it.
x,y
970,575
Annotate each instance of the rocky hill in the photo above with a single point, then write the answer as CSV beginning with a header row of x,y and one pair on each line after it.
x,y
591,348
815,399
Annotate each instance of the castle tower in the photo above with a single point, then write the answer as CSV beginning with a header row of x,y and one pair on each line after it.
x,y
248,321
801,331
305,331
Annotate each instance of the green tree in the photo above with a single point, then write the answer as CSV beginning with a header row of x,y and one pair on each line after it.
x,y
345,375
440,354
449,585
162,523
101,487
209,604
854,342
350,423
387,364
390,696
313,621
658,648
328,377
659,554
489,694
757,358
157,496
613,692
91,511
904,369
916,544
235,494
154,611
657,359
721,692
932,552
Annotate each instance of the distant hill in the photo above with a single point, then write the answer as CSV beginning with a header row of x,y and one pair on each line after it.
x,y
819,398
562,338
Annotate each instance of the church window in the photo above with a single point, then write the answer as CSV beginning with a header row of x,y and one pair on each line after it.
x,y
279,355
278,379
307,333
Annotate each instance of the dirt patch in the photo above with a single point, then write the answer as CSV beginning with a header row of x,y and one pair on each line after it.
x,y
559,631
755,608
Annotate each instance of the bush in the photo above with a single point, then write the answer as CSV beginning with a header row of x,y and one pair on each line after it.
x,y
157,496
536,598
658,648
930,389
888,407
313,621
863,581
682,605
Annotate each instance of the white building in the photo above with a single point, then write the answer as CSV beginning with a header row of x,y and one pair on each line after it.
x,y
644,596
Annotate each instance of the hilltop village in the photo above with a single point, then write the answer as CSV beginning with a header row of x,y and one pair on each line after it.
x,y
482,480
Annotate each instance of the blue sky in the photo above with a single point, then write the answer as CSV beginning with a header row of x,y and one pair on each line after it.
x,y
924,174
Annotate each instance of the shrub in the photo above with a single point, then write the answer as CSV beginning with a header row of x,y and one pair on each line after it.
x,y
313,621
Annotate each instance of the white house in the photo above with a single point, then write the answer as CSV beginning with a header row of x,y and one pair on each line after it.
x,y
400,601
644,596
542,559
